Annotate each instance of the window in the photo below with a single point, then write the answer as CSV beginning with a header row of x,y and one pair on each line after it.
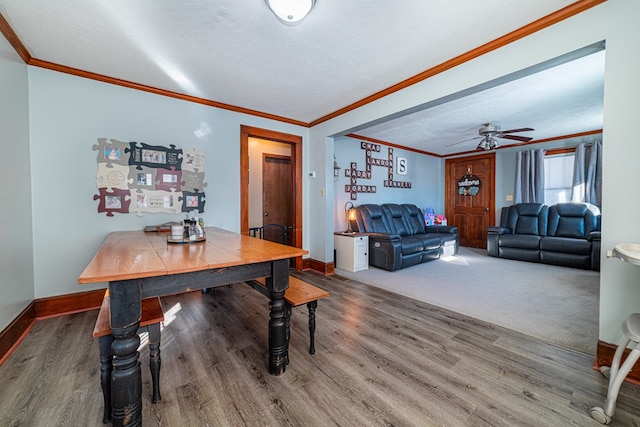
x,y
558,176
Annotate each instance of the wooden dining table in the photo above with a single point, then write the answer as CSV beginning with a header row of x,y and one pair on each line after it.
x,y
139,265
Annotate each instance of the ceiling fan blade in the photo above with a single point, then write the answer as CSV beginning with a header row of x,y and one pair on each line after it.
x,y
517,130
516,138
464,140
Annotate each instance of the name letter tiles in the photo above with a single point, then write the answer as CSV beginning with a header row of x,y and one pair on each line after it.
x,y
140,178
354,187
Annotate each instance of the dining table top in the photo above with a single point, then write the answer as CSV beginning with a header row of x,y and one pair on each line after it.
x,y
126,255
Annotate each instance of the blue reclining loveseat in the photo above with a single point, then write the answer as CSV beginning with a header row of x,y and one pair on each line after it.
x,y
566,234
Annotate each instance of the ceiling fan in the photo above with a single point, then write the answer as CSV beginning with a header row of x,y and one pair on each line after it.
x,y
490,131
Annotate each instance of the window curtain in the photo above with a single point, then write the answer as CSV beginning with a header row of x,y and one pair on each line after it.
x,y
587,174
530,176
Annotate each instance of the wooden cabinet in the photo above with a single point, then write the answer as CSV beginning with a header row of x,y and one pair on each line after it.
x,y
352,251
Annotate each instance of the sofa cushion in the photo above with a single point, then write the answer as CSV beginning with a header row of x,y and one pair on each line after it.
x,y
396,219
410,245
414,218
413,259
371,219
528,218
574,220
520,254
520,241
566,260
431,241
566,245
432,254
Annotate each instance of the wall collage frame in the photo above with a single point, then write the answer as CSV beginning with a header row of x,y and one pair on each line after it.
x,y
140,178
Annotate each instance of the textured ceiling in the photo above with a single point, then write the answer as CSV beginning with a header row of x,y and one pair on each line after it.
x,y
562,100
235,52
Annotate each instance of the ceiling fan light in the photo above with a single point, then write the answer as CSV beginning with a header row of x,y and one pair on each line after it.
x,y
483,145
488,143
290,12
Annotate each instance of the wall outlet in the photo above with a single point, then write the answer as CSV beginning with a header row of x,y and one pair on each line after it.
x,y
322,192
509,198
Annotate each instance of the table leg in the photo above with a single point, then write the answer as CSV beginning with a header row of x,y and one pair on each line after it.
x,y
106,367
277,334
287,326
277,284
126,380
312,325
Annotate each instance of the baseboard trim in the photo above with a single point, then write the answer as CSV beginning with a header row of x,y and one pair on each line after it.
x,y
43,308
325,268
14,333
604,357
67,304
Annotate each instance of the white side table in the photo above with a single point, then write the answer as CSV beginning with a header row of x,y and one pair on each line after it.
x,y
352,251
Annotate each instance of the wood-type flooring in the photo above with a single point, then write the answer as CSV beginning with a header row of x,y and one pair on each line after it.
x,y
381,360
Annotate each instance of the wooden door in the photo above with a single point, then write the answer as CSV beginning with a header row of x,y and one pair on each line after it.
x,y
277,196
472,214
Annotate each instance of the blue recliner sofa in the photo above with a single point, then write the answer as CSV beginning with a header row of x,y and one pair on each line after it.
x,y
566,234
398,237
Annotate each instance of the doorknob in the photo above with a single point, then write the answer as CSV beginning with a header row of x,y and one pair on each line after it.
x,y
486,209
266,214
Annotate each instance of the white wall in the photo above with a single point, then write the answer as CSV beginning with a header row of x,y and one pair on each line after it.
x,y
68,114
424,172
619,281
613,21
16,248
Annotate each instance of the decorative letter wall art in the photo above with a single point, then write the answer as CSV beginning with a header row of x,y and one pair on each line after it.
x,y
354,174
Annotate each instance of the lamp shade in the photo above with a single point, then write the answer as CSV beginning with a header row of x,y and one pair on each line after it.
x,y
351,214
290,12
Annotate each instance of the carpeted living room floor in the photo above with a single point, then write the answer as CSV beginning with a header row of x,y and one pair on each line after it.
x,y
556,304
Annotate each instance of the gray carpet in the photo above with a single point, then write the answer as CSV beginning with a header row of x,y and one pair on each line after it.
x,y
556,304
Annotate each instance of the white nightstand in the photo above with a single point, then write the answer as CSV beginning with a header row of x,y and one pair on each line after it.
x,y
352,251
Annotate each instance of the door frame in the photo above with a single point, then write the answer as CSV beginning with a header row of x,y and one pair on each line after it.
x,y
295,141
491,184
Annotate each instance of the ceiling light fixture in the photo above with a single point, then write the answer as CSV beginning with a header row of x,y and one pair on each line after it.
x,y
290,12
488,143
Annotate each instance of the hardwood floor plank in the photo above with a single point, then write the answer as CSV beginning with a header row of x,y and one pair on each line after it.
x,y
381,360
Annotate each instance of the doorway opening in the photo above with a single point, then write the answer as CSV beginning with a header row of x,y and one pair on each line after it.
x,y
275,164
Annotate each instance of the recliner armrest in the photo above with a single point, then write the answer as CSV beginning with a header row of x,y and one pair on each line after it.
x,y
383,236
385,251
493,237
442,229
594,236
498,230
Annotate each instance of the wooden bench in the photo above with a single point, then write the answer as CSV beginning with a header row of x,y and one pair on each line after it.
x,y
298,293
150,320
